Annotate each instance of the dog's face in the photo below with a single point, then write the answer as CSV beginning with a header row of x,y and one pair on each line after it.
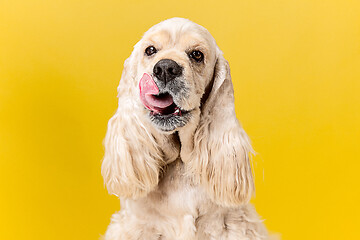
x,y
177,79
175,63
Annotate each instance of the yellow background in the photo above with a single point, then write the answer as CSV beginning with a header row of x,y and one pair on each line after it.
x,y
296,71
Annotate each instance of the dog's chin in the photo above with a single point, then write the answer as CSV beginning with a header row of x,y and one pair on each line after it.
x,y
170,122
165,111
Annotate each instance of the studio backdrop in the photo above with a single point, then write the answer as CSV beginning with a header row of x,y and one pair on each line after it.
x,y
296,72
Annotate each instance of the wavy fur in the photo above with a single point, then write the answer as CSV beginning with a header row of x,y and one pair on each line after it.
x,y
191,183
221,148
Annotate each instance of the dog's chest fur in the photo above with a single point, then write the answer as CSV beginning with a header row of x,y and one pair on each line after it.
x,y
173,206
180,209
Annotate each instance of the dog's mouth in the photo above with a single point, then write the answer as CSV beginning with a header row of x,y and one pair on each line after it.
x,y
163,104
157,102
163,110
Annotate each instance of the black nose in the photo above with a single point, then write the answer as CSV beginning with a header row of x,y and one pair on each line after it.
x,y
166,70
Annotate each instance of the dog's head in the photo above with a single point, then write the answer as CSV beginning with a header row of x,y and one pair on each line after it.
x,y
172,65
176,99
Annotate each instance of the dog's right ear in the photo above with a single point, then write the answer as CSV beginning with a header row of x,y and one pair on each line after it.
x,y
132,160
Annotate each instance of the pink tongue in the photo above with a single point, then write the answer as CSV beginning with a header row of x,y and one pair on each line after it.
x,y
158,102
148,89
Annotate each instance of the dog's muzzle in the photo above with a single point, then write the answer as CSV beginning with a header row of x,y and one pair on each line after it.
x,y
164,113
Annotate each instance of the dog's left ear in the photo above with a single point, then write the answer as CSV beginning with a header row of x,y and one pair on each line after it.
x,y
221,150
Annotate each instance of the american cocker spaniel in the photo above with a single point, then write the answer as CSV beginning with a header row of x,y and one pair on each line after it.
x,y
175,153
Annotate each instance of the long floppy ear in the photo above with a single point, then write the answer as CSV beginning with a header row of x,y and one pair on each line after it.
x,y
132,158
221,147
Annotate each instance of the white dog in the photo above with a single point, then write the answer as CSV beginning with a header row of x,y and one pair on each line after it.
x,y
174,151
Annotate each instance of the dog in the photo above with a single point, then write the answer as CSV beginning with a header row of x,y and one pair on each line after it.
x,y
175,153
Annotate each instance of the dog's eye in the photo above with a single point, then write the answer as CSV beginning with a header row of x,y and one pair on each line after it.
x,y
150,50
196,55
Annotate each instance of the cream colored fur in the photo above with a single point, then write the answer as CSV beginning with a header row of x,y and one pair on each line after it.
x,y
192,183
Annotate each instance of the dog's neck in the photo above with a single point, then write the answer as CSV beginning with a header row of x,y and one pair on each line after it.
x,y
169,145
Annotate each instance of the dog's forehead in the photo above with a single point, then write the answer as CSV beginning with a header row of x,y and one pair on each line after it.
x,y
164,38
178,32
